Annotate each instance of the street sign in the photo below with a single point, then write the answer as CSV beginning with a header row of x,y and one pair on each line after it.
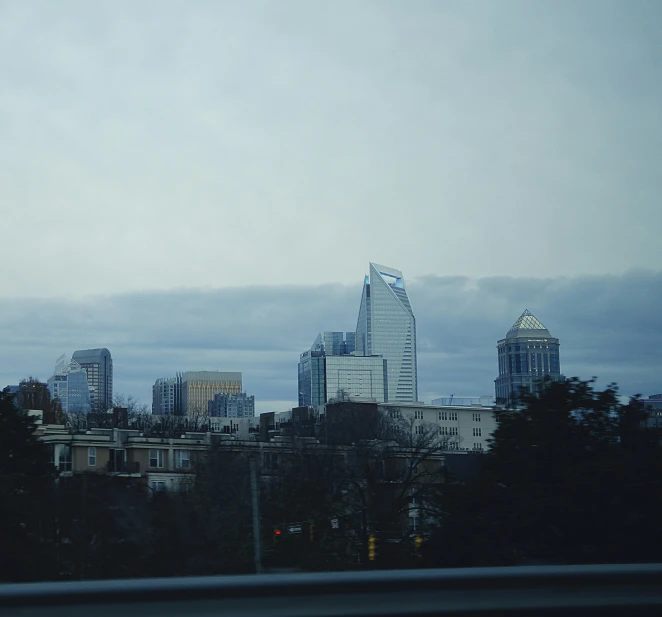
x,y
294,529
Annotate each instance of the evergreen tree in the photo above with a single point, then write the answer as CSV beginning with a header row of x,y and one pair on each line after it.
x,y
571,477
26,482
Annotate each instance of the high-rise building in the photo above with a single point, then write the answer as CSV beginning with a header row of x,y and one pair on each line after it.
x,y
167,396
69,385
189,393
527,355
329,370
199,387
387,327
335,343
98,365
232,405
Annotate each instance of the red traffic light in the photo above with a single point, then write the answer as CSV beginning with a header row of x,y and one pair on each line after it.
x,y
277,532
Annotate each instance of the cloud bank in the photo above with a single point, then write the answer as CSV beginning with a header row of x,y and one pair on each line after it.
x,y
609,326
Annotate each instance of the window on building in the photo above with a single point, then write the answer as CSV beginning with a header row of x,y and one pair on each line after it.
x,y
452,415
158,486
418,414
452,430
156,458
443,415
478,446
477,432
92,456
476,417
414,523
182,459
65,461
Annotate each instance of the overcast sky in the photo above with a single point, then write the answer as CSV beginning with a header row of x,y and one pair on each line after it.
x,y
202,184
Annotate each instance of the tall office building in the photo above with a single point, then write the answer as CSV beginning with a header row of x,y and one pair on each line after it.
x,y
98,365
335,343
528,354
330,369
189,393
232,406
167,396
199,387
387,327
69,385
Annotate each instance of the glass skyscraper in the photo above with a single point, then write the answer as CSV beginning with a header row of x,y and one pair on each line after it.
x,y
69,385
330,369
387,327
98,365
528,354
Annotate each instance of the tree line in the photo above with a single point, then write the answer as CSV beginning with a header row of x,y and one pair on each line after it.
x,y
571,477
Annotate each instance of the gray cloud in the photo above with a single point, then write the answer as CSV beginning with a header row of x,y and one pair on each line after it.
x,y
162,144
609,326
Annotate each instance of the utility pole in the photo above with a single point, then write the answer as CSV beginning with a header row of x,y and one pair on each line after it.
x,y
257,543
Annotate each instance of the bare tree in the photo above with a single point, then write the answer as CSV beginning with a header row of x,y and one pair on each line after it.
x,y
372,471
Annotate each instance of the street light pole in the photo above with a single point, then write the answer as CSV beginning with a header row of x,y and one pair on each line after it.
x,y
257,543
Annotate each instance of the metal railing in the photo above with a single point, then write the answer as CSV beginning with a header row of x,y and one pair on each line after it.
x,y
532,590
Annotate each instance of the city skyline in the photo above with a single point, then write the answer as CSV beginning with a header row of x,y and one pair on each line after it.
x,y
617,338
425,140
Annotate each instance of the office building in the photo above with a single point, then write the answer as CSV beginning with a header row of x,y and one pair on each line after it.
x,y
199,387
98,365
335,343
231,405
527,355
326,373
387,327
189,393
167,396
69,385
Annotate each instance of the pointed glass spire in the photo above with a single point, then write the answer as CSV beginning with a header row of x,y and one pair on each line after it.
x,y
527,321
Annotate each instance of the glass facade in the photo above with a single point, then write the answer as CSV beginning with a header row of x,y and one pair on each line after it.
x,y
167,396
325,377
69,385
98,365
387,327
232,405
358,377
312,380
199,387
528,354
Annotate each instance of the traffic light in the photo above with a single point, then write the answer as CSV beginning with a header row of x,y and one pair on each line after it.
x,y
277,534
372,552
418,541
312,532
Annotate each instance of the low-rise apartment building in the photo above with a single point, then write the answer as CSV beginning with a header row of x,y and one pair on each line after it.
x,y
467,428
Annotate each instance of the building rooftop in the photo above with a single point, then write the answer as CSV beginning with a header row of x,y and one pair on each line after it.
x,y
528,325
